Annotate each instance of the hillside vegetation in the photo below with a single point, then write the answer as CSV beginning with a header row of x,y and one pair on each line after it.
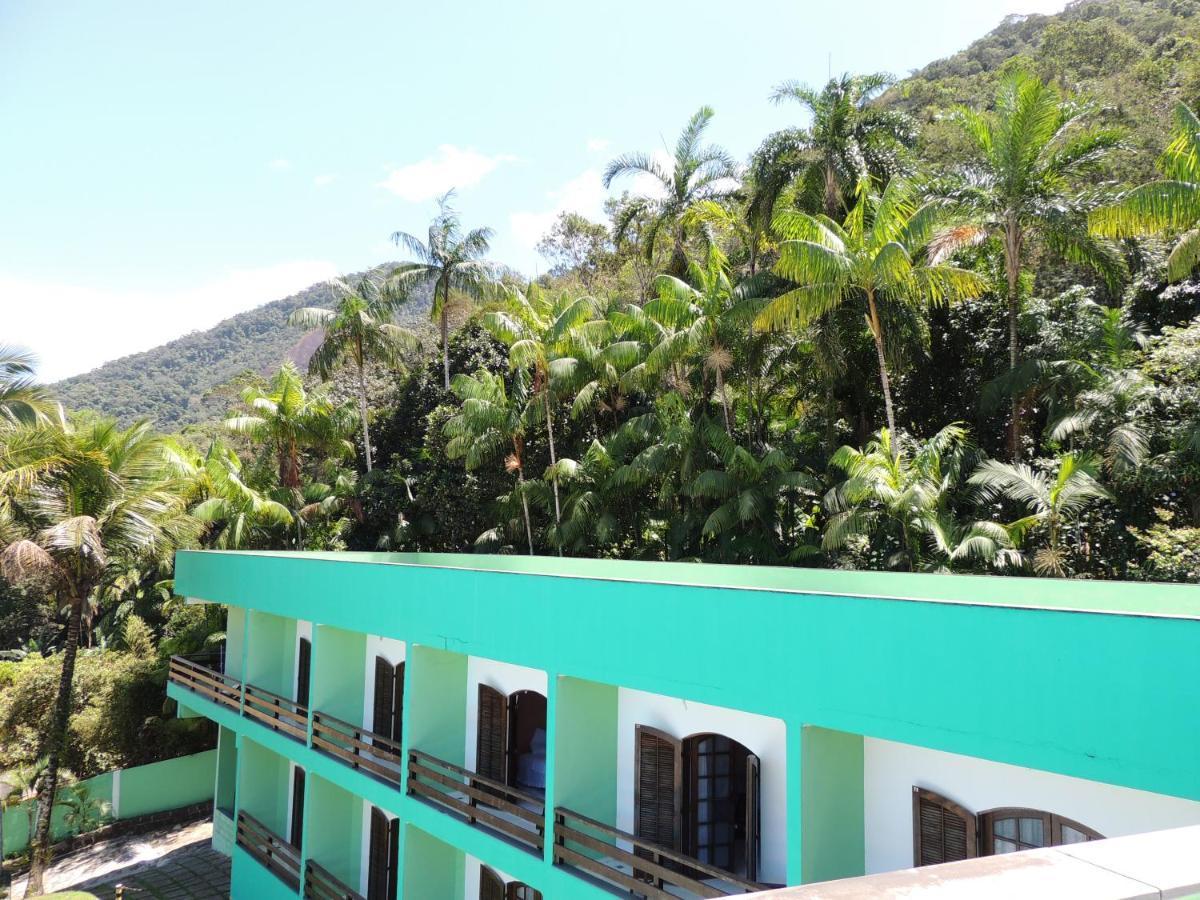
x,y
180,383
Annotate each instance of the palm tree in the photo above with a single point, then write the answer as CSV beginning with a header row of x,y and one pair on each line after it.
x,y
697,172
489,422
897,491
873,257
1169,205
1053,500
538,329
21,398
358,329
241,516
1021,190
88,499
751,493
453,261
288,420
692,326
850,138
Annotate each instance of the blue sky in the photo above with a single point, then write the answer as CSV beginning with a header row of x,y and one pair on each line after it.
x,y
165,165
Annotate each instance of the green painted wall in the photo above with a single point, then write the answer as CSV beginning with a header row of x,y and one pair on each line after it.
x,y
339,664
435,686
586,740
185,780
250,881
780,644
271,652
433,870
225,795
143,789
831,789
333,829
263,785
235,640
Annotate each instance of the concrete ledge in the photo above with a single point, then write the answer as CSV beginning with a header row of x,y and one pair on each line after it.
x,y
1152,866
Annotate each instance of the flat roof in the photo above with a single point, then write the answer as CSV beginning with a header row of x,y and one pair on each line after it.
x,y
1136,598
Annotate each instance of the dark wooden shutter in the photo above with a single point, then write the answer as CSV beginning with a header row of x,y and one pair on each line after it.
x,y
398,704
303,671
297,832
942,830
385,697
393,879
753,816
520,891
491,738
490,885
658,790
378,857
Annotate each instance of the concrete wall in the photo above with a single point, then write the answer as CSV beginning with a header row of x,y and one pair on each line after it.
x,y
892,770
337,683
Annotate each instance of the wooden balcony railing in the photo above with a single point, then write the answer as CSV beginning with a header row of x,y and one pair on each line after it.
x,y
649,870
358,747
283,715
273,852
320,884
193,674
516,814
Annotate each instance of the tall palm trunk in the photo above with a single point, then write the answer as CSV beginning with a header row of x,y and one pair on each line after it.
x,y
444,325
362,406
877,333
39,851
724,400
525,507
553,461
1012,265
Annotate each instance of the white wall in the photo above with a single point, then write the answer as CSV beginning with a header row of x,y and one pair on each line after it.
x,y
472,877
364,868
394,652
763,736
303,630
891,771
504,677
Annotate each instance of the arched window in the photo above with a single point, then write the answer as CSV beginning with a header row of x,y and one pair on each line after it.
x,y
1012,829
510,738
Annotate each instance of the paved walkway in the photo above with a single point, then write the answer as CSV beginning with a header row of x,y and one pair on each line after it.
x,y
174,864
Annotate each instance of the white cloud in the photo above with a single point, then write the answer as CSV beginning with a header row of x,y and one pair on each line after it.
x,y
583,194
452,167
279,165
324,180
107,324
595,145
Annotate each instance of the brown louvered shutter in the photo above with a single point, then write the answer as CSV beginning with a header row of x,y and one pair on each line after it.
x,y
491,738
398,704
303,672
297,829
385,697
658,791
378,881
490,885
393,872
753,816
942,830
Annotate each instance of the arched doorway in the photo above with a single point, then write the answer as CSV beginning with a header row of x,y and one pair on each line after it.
x,y
510,741
700,796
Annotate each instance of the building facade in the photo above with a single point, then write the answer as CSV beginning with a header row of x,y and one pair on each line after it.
x,y
438,726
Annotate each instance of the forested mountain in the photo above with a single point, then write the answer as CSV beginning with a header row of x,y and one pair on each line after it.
x,y
179,383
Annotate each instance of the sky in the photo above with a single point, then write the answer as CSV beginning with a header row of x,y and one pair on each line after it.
x,y
166,165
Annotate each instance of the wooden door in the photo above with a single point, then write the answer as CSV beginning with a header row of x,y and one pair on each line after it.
x,y
491,735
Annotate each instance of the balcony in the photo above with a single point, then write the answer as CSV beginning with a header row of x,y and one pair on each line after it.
x,y
191,672
276,712
517,815
275,854
358,748
645,869
320,884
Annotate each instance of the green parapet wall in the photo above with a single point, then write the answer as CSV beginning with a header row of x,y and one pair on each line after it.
x,y
250,880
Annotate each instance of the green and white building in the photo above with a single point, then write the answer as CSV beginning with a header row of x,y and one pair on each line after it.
x,y
439,726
